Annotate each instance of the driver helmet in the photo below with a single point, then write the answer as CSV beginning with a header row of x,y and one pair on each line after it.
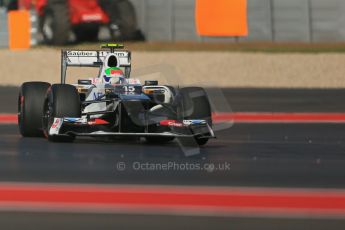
x,y
113,75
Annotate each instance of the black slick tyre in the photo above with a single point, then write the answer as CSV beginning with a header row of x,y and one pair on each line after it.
x,y
123,19
30,108
55,23
62,100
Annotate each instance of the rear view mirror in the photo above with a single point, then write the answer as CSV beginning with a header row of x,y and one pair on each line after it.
x,y
84,82
151,83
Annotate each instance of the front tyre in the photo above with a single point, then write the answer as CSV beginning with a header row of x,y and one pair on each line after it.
x,y
30,108
61,101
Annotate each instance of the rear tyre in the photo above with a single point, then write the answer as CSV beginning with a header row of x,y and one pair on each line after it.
x,y
30,108
54,24
62,100
123,20
195,105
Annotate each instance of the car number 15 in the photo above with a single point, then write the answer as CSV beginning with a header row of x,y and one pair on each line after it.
x,y
129,88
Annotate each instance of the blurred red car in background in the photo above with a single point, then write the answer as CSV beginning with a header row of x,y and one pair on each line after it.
x,y
58,18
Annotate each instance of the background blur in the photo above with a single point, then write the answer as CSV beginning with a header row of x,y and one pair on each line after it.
x,y
268,20
174,20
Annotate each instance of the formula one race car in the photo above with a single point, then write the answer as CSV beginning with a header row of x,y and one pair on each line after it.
x,y
112,104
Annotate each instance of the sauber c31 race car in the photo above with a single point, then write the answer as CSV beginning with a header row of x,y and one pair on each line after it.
x,y
112,104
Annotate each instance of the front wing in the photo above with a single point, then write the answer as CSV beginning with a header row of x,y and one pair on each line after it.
x,y
188,128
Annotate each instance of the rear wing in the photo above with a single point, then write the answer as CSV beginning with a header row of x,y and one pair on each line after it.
x,y
92,58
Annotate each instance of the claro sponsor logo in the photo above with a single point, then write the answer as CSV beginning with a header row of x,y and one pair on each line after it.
x,y
56,123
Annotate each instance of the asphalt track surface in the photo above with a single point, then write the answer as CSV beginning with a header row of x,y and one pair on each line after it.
x,y
260,155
